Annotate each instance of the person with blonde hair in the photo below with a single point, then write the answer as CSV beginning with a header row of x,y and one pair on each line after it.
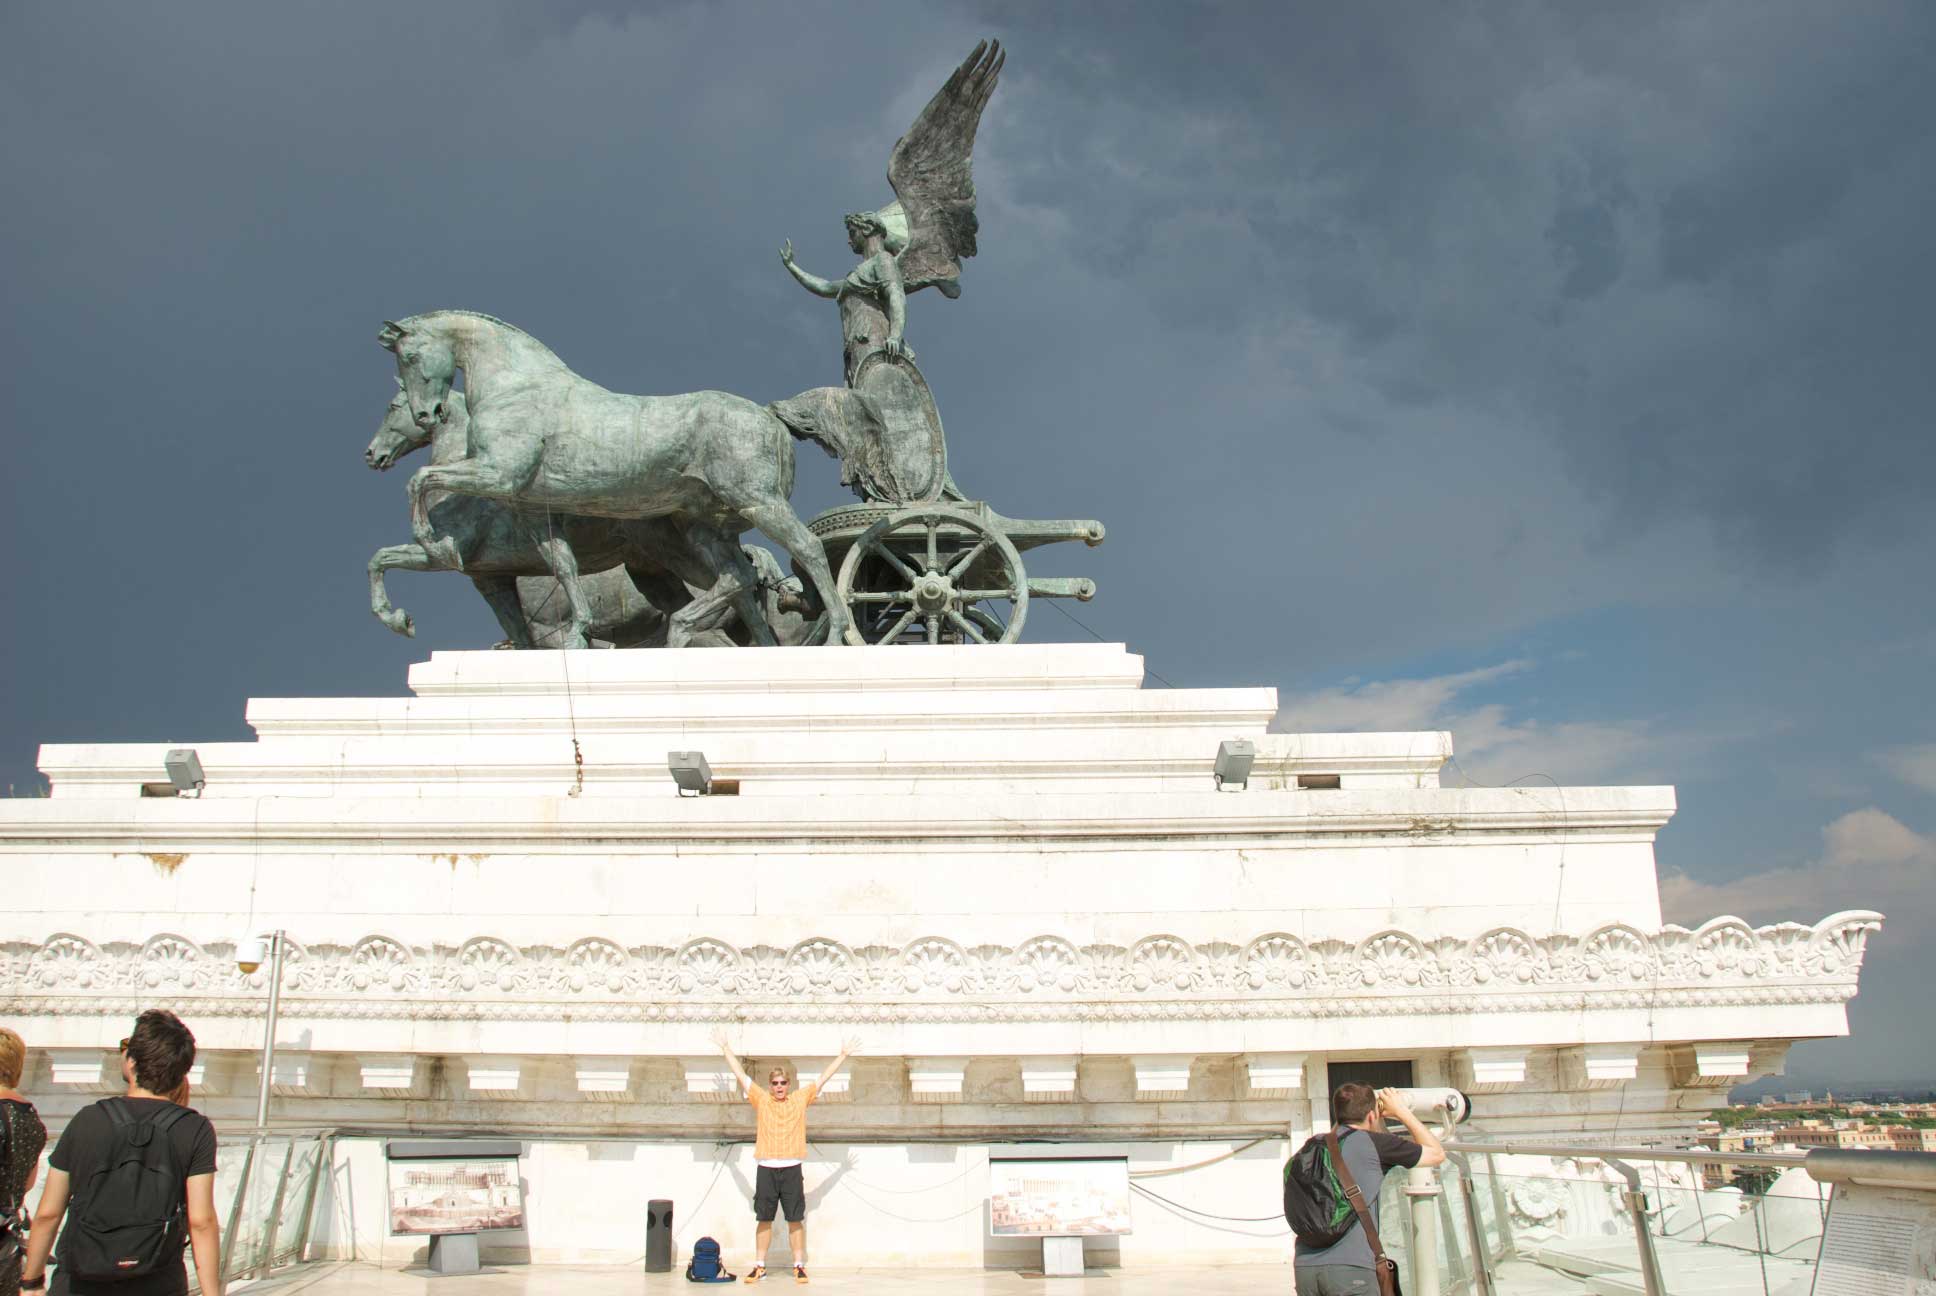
x,y
779,1147
22,1136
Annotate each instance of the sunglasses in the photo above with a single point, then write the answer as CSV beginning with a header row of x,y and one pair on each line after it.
x,y
126,1042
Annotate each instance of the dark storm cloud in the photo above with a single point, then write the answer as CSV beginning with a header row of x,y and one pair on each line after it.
x,y
1681,239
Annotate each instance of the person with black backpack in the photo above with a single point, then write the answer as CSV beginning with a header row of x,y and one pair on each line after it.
x,y
134,1178
1331,1192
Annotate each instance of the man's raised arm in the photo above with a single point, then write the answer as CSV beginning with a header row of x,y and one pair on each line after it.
x,y
847,1047
732,1059
1390,1104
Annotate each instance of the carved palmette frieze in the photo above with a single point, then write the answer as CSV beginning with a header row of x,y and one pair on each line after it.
x,y
933,978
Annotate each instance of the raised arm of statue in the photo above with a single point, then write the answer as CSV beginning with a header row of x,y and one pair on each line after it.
x,y
813,283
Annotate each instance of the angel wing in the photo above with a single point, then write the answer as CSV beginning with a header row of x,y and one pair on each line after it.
x,y
930,172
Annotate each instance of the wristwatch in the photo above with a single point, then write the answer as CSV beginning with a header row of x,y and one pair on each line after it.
x,y
34,1284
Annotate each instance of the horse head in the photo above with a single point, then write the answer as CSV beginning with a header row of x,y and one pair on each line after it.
x,y
426,367
399,435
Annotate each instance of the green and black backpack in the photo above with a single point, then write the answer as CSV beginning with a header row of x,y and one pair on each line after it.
x,y
1314,1202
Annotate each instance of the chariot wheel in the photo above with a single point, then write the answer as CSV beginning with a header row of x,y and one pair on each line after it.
x,y
925,573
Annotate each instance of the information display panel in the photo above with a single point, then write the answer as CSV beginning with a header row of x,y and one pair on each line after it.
x,y
1058,1197
455,1196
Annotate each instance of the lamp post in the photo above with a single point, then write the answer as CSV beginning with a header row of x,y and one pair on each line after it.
x,y
249,955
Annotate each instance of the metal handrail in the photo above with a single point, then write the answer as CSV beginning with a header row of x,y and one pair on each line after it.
x,y
1688,1156
1634,1196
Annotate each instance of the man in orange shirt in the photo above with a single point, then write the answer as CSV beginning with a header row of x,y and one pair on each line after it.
x,y
779,1146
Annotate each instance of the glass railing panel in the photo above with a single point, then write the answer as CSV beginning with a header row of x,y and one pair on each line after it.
x,y
298,1198
1573,1223
1488,1199
1401,1212
252,1225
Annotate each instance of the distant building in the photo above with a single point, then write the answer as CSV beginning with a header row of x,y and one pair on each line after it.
x,y
1841,1134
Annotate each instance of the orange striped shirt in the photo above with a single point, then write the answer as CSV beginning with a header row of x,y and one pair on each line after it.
x,y
782,1125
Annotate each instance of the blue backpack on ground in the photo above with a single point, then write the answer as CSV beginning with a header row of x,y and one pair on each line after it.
x,y
704,1265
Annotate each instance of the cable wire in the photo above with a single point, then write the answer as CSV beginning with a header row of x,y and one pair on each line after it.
x,y
1232,1219
1147,668
1221,1156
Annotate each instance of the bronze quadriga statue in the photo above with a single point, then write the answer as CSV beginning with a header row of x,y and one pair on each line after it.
x,y
676,479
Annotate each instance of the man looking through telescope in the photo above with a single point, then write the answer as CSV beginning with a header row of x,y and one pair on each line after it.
x,y
1347,1267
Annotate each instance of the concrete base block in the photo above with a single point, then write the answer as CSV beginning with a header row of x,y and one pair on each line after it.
x,y
453,1253
1062,1257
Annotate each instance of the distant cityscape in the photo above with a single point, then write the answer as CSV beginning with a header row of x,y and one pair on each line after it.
x,y
1797,1121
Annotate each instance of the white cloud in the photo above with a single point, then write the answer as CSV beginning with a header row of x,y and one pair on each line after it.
x,y
1494,746
1870,860
1914,765
1384,704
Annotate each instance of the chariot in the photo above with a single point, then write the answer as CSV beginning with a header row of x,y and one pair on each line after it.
x,y
938,572
937,568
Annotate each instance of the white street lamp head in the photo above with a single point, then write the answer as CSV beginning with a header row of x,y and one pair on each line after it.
x,y
250,952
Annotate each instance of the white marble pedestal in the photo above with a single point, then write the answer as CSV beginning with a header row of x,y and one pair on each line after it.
x,y
1062,1257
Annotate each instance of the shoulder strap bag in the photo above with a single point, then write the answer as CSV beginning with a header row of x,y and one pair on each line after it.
x,y
1383,1265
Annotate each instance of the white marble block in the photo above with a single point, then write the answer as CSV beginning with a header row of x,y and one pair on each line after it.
x,y
936,1079
1275,1075
1049,1079
1161,1076
603,1079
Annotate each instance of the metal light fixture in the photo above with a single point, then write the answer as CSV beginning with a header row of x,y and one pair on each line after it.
x,y
250,953
1232,770
184,769
691,772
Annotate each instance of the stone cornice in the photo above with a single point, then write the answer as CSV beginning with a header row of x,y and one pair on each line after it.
x,y
934,979
599,822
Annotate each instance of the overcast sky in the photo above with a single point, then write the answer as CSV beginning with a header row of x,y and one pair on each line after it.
x,y
1557,374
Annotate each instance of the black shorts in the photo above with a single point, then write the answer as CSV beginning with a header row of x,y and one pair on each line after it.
x,y
782,1187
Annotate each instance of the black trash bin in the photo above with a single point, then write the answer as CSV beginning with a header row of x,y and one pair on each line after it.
x,y
658,1235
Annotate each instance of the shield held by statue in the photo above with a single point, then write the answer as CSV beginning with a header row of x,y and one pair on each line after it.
x,y
885,430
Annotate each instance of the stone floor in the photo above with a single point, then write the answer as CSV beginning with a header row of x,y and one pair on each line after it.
x,y
1514,1278
366,1280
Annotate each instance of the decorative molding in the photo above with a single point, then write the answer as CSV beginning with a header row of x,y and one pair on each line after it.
x,y
936,1079
604,1079
83,1070
389,1073
838,1089
496,1077
709,1079
1049,1079
295,1075
1599,1066
1275,1075
1722,1064
1162,1075
1492,1070
935,979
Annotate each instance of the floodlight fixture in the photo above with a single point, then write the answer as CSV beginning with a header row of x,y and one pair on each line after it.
x,y
691,772
1232,770
184,769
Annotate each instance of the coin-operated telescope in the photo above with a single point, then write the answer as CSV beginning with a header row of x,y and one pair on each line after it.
x,y
1444,1108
